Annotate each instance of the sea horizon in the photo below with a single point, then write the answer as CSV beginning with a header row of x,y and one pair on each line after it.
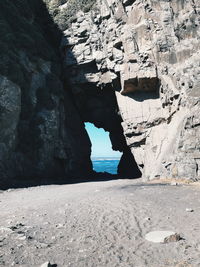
x,y
105,164
105,158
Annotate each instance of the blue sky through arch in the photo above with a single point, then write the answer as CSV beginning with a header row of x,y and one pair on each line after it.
x,y
101,144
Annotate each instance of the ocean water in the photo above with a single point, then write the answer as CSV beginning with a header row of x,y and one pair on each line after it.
x,y
105,165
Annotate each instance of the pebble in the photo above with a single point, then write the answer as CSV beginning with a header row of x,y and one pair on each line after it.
x,y
48,264
5,229
42,245
14,263
21,237
174,183
189,210
59,225
162,236
9,221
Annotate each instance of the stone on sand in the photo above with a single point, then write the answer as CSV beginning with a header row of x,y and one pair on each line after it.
x,y
162,236
174,183
47,264
189,210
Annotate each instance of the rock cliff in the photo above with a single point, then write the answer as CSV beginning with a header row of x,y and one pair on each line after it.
x,y
131,67
147,52
41,134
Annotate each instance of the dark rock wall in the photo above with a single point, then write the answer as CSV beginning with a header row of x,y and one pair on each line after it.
x,y
41,133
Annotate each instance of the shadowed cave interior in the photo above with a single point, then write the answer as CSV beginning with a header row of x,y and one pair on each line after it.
x,y
98,106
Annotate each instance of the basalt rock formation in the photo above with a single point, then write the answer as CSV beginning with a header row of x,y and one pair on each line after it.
x,y
41,133
131,67
147,52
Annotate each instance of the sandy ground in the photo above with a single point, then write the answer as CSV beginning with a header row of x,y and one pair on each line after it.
x,y
99,224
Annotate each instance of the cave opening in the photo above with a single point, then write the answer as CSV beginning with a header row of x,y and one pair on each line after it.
x,y
98,110
103,157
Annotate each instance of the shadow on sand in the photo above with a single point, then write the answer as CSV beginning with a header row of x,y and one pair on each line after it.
x,y
94,177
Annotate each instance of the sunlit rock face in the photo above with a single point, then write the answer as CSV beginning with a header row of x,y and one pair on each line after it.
x,y
148,53
41,133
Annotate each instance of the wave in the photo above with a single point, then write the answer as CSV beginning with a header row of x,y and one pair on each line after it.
x,y
109,165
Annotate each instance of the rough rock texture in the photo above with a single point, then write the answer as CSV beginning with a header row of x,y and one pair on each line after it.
x,y
96,102
41,134
148,53
130,67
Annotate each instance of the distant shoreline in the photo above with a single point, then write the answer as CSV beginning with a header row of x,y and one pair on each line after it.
x,y
104,158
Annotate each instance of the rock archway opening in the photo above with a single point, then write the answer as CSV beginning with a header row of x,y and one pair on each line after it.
x,y
106,158
98,106
103,157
